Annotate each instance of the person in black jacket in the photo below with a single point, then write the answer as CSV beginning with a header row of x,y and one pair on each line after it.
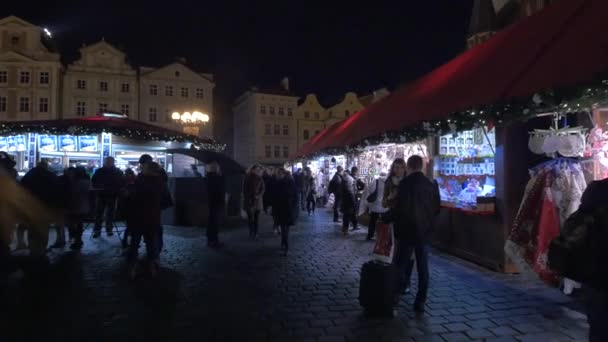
x,y
43,184
107,181
593,200
284,205
216,196
335,188
417,206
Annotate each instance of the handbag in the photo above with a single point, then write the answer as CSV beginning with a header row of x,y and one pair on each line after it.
x,y
374,195
384,249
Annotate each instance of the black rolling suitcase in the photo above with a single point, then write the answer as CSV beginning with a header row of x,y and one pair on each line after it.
x,y
377,288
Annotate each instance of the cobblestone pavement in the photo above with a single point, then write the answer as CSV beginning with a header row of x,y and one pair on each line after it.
x,y
249,292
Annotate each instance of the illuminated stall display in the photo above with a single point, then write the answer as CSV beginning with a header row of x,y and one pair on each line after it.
x,y
465,170
377,159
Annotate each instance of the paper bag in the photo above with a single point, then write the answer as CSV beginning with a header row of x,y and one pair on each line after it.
x,y
385,243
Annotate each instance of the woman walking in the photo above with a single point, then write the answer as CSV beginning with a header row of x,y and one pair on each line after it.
x,y
372,201
285,199
80,208
309,190
253,195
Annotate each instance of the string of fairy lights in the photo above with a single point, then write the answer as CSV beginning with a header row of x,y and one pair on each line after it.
x,y
562,102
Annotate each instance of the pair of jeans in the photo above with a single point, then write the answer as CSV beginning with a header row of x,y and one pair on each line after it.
x,y
311,205
105,205
597,313
253,217
371,229
404,263
213,223
152,240
285,237
348,218
337,204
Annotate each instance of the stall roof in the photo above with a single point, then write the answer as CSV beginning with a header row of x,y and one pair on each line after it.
x,y
314,144
563,45
97,124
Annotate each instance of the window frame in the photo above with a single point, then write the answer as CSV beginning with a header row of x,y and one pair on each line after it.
x,y
169,91
127,107
4,77
104,86
25,74
79,107
306,134
285,130
3,104
277,129
102,104
268,151
153,89
268,129
125,87
83,83
45,104
152,112
277,151
46,76
200,93
285,151
23,104
185,92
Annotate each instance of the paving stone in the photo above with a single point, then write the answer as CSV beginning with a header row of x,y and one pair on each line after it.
x,y
503,331
456,337
527,328
481,324
479,333
456,327
549,336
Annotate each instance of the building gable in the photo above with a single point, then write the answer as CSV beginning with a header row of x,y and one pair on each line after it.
x,y
175,72
12,56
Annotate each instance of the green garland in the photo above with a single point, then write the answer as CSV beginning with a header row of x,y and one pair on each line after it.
x,y
134,134
563,101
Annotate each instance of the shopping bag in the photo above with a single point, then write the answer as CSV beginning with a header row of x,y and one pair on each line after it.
x,y
385,243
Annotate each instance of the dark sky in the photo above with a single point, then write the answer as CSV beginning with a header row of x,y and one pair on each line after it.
x,y
325,50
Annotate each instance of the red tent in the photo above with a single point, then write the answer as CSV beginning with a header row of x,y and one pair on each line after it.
x,y
98,124
563,45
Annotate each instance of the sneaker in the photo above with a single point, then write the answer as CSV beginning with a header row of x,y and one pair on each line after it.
x,y
96,234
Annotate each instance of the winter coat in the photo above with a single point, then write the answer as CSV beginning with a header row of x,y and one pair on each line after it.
x,y
253,192
284,201
391,190
109,181
417,206
376,206
348,193
216,192
309,187
44,185
80,204
145,201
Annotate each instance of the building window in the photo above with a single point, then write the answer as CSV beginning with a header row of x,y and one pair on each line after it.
x,y
267,129
24,77
81,108
103,86
15,41
281,112
263,109
3,104
24,104
152,115
125,88
153,89
277,130
289,112
103,107
317,116
347,113
177,74
285,152
271,109
306,115
199,93
184,92
168,91
306,134
3,76
277,151
125,109
43,105
44,77
81,84
267,151
285,129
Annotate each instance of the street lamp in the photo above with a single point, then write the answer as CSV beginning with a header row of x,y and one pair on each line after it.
x,y
191,122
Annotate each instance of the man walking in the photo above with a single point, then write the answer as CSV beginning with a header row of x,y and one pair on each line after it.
x,y
417,206
335,188
107,181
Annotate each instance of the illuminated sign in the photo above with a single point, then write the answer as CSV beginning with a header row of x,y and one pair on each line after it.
x,y
67,143
47,143
113,115
87,143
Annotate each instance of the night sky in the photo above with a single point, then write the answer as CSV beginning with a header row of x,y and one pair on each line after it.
x,y
325,50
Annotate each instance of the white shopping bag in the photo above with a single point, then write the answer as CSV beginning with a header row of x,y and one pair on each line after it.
x,y
385,243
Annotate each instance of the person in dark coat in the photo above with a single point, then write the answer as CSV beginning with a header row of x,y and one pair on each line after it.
x,y
595,197
145,211
417,206
298,177
43,184
284,204
253,195
166,201
335,188
268,178
216,196
107,181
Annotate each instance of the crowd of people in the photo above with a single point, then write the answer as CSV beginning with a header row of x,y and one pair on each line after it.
x,y
70,200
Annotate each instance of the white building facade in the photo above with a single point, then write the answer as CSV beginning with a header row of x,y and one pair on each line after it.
x,y
30,73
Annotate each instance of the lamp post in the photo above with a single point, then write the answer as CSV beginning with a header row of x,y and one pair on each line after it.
x,y
191,122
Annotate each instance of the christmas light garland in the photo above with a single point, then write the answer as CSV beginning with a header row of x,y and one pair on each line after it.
x,y
563,101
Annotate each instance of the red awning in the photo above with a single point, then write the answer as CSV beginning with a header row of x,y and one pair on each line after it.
x,y
311,145
562,45
97,124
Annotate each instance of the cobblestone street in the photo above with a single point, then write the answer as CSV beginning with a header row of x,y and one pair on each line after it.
x,y
249,292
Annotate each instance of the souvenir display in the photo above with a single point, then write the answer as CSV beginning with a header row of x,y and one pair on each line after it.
x,y
375,160
465,170
67,143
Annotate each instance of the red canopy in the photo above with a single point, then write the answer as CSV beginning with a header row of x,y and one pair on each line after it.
x,y
98,124
313,144
562,45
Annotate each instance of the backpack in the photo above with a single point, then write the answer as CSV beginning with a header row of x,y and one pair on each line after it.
x,y
578,252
